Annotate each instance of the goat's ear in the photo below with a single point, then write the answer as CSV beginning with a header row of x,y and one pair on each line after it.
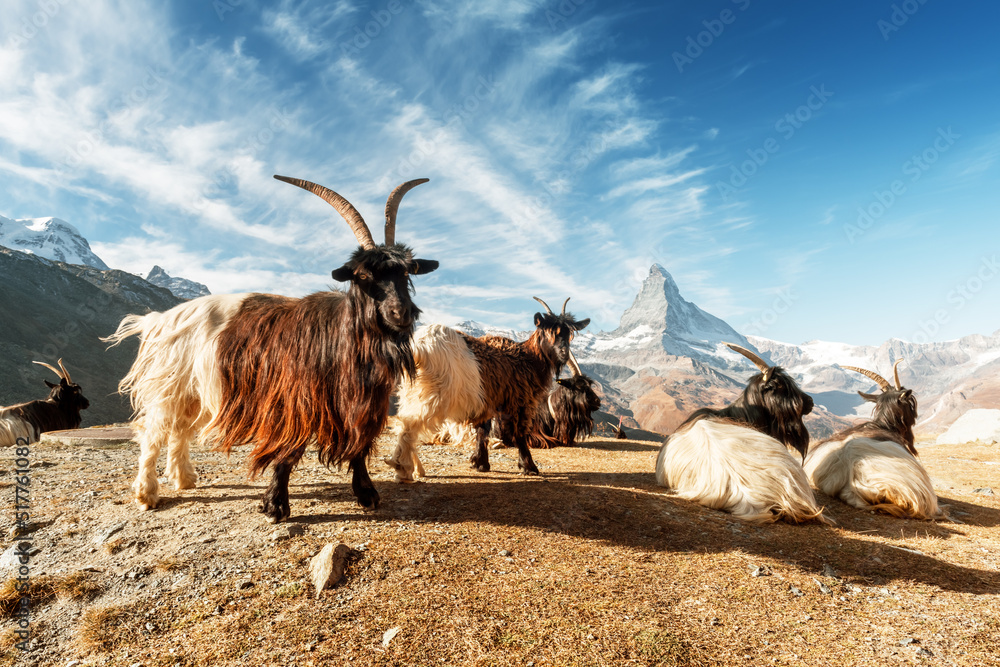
x,y
868,397
50,385
422,266
581,325
343,274
538,319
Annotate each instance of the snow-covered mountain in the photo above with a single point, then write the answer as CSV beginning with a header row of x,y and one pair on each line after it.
x,y
667,358
180,287
50,238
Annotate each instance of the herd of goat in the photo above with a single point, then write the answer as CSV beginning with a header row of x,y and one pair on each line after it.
x,y
283,374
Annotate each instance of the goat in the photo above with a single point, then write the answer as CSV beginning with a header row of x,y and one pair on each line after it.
x,y
736,459
618,430
24,423
566,411
468,379
873,465
277,372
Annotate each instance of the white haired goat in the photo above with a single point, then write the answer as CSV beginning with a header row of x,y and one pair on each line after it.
x,y
874,465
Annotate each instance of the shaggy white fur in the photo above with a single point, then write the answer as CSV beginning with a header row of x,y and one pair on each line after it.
x,y
447,386
13,427
174,384
873,474
739,470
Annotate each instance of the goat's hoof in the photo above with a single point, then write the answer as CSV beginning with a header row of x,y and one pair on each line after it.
x,y
368,499
529,469
145,507
392,463
276,512
481,467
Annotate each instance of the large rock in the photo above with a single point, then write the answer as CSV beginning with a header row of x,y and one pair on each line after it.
x,y
979,425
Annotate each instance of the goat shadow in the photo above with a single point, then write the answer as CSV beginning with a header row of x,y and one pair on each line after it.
x,y
629,510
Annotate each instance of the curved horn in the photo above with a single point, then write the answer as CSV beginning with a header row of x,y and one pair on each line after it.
x,y
69,380
882,382
547,309
344,208
564,306
51,368
574,365
392,205
895,373
758,362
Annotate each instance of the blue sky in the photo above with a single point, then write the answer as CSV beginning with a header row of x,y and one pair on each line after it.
x,y
804,172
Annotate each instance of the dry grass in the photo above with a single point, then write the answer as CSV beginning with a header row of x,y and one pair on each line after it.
x,y
76,586
589,564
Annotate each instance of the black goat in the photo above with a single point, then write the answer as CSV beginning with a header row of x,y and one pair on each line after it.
x,y
567,411
60,411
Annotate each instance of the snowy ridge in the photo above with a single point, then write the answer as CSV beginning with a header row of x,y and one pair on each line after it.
x,y
180,287
50,238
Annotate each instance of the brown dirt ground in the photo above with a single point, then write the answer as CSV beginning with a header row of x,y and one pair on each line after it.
x,y
589,564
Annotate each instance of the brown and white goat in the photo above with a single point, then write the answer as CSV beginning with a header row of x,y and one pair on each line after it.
x,y
873,465
735,458
25,422
279,373
466,379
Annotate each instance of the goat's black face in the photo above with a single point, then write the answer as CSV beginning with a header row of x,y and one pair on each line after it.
x,y
582,391
894,408
68,395
383,274
559,331
785,403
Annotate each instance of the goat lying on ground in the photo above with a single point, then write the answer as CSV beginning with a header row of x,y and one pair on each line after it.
x,y
473,380
61,410
279,373
874,465
730,459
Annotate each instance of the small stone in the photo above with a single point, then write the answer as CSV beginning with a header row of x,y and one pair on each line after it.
x,y
829,572
823,588
106,534
795,591
327,567
761,571
807,618
389,635
925,653
150,627
715,621
986,491
504,553
908,641
287,532
245,584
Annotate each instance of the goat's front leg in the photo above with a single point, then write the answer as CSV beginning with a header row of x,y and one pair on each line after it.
x,y
361,483
146,487
275,503
523,431
404,458
480,459
179,466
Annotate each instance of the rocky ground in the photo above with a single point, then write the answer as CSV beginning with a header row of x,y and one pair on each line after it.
x,y
589,564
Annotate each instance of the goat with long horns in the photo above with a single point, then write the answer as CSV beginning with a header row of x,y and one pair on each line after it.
x,y
874,465
25,422
736,459
466,379
279,373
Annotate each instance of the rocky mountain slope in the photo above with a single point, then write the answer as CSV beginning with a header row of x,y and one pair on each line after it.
x,y
50,238
179,287
55,310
